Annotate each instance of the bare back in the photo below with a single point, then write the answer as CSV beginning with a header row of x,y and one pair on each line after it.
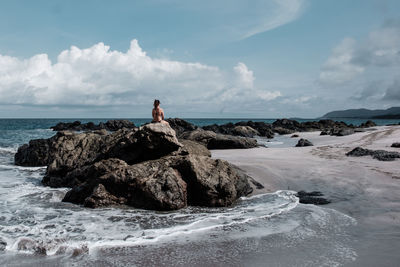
x,y
158,114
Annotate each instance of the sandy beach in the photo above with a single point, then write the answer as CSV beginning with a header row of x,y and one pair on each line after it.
x,y
361,187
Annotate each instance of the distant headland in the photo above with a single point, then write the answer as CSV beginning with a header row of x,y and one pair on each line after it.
x,y
362,113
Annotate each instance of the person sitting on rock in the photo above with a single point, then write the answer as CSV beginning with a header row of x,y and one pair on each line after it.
x,y
158,113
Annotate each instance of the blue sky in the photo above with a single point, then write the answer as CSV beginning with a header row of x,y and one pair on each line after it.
x,y
227,58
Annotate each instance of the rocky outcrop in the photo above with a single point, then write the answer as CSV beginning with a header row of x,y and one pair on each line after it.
x,y
376,154
164,184
144,168
111,125
395,145
213,140
303,142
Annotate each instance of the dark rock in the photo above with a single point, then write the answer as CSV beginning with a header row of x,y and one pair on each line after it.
x,y
381,155
312,198
71,151
219,141
111,125
323,133
34,154
294,136
180,126
395,145
3,244
303,142
243,128
115,125
368,124
168,183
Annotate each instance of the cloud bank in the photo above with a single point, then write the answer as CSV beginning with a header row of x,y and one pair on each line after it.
x,y
98,76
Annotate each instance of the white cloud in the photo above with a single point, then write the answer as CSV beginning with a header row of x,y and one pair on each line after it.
x,y
366,68
339,67
238,19
99,76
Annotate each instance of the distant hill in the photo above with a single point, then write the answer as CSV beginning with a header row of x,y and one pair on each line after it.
x,y
362,113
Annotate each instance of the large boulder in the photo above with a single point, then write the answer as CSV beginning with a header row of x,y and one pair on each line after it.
x,y
168,183
219,141
70,150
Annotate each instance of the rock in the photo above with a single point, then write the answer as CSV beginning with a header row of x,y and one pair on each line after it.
x,y
281,131
368,124
381,155
294,136
245,131
70,151
36,153
111,125
323,133
303,142
219,141
243,128
395,145
3,244
168,183
115,125
312,198
341,131
180,126
194,148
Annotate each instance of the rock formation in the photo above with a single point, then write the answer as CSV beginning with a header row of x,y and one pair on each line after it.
x,y
145,168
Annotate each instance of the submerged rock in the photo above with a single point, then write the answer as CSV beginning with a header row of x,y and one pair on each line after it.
x,y
303,142
314,197
376,154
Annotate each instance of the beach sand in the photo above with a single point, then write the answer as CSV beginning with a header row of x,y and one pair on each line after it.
x,y
361,187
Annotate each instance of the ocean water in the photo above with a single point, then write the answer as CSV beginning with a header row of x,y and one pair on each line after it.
x,y
37,229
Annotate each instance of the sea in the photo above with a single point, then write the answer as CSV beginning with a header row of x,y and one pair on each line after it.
x,y
37,229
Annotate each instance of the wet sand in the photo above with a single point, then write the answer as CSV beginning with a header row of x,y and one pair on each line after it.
x,y
361,187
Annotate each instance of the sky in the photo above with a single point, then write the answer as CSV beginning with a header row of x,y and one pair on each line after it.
x,y
201,59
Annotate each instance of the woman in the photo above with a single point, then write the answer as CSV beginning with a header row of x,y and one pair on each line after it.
x,y
158,113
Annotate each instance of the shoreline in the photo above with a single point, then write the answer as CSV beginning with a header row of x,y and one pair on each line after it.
x,y
361,187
